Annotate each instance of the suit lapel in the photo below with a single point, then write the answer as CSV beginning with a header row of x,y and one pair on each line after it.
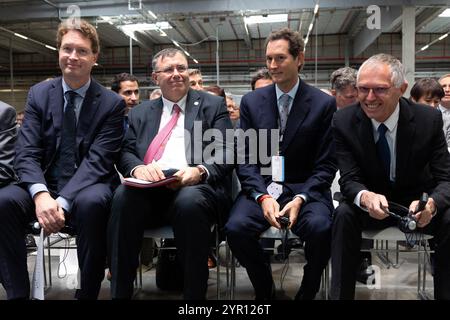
x,y
152,121
88,110
193,102
299,110
364,131
405,134
56,106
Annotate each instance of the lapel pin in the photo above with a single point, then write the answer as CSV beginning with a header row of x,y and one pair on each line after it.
x,y
196,103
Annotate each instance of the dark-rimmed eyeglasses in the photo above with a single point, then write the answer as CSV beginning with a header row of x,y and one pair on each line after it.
x,y
171,69
378,91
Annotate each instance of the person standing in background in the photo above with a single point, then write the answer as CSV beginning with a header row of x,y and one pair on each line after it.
x,y
195,79
444,107
343,86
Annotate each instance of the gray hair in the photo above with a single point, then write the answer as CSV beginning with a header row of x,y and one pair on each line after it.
x,y
397,70
167,52
342,78
192,72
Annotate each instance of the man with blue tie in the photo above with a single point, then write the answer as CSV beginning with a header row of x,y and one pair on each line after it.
x,y
302,115
388,149
169,134
65,157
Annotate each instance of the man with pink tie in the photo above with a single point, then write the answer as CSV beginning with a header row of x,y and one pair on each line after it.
x,y
162,136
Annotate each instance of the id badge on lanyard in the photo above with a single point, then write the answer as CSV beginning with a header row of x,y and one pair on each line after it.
x,y
278,168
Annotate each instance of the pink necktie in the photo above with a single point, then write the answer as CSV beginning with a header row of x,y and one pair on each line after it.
x,y
156,147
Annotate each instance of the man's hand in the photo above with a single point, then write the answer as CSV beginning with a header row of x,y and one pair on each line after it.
x,y
50,215
291,210
376,204
149,172
423,217
271,211
188,176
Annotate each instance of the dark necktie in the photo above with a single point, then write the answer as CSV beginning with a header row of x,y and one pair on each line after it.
x,y
66,165
383,149
284,110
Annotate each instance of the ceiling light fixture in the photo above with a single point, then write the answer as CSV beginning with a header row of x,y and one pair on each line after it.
x,y
150,12
445,13
445,35
27,38
271,18
163,25
20,36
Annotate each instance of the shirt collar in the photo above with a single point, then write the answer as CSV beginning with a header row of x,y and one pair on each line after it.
x,y
443,109
169,104
391,122
291,93
81,91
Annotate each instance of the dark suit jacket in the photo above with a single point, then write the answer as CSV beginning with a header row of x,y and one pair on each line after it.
x,y
8,135
99,135
206,110
422,159
307,144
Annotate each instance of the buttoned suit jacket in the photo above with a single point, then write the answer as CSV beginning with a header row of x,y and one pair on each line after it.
x,y
98,137
307,145
422,159
203,111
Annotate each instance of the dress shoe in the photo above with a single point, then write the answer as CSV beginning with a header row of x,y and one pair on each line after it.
x,y
303,294
266,296
29,241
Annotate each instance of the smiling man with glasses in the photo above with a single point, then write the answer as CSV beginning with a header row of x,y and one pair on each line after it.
x,y
388,149
192,204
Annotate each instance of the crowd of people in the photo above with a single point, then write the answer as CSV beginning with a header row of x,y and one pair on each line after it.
x,y
77,140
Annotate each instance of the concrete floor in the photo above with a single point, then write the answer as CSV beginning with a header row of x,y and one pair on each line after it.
x,y
397,283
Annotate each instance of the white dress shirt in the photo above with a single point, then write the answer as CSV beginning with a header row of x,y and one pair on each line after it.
x,y
391,136
174,155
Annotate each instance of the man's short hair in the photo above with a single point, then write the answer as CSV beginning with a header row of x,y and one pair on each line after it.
x,y
167,52
262,73
397,69
295,40
342,78
118,78
218,91
86,29
444,76
427,87
193,72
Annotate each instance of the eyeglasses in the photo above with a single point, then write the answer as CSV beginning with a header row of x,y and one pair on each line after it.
x,y
171,69
81,52
378,91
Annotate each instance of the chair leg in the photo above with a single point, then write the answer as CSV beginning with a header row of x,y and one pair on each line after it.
x,y
217,263
49,263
